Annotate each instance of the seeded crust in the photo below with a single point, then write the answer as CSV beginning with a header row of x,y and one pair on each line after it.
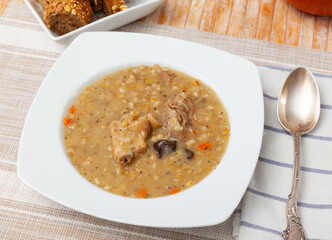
x,y
113,6
63,16
97,5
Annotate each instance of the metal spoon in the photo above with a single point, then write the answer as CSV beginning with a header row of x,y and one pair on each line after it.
x,y
298,113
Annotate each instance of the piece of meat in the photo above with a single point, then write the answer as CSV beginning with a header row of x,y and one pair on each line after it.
x,y
179,115
167,77
142,127
153,122
129,142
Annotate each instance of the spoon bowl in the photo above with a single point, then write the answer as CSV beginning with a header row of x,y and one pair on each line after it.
x,y
299,102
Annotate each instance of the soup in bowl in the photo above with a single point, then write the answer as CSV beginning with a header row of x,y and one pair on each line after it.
x,y
146,131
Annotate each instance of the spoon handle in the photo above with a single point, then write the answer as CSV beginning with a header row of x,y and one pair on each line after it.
x,y
294,230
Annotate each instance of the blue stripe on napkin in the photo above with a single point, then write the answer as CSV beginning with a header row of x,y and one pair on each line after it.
x,y
277,130
287,165
257,227
280,199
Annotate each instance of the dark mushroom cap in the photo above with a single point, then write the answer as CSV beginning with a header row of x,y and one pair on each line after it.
x,y
162,147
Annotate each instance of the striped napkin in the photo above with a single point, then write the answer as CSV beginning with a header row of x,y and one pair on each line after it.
x,y
262,212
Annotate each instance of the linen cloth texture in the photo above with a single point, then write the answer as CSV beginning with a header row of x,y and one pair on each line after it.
x,y
262,214
27,54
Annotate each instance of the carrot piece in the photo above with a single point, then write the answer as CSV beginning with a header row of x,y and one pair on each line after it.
x,y
72,109
205,146
67,121
174,191
142,192
196,83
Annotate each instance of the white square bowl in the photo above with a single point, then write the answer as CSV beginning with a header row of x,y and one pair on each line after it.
x,y
44,165
136,10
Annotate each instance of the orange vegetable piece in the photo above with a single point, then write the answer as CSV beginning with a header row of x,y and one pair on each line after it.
x,y
72,109
142,192
205,146
196,83
174,191
67,121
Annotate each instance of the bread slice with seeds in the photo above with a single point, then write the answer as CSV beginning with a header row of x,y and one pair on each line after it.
x,y
63,16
